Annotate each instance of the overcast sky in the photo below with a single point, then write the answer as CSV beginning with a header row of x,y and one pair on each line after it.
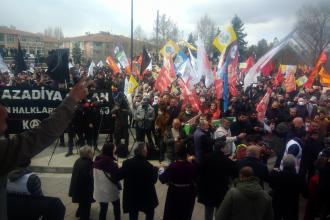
x,y
263,18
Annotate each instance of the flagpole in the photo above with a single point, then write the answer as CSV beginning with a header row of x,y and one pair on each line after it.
x,y
131,35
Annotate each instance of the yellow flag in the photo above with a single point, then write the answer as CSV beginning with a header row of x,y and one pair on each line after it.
x,y
190,46
324,77
132,84
301,81
170,48
225,38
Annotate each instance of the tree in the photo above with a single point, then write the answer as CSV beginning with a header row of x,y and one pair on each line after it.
x,y
238,26
191,39
207,31
167,29
139,33
313,27
258,50
76,53
55,32
262,48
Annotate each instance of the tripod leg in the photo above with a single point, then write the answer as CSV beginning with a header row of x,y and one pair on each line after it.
x,y
51,156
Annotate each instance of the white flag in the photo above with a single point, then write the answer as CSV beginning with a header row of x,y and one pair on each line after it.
x,y
121,57
254,72
91,69
3,66
149,67
70,65
126,87
194,76
185,71
100,64
203,64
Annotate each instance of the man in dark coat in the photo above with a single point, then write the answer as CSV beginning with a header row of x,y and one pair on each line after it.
x,y
120,115
181,178
215,172
81,186
287,185
252,160
203,143
92,122
240,126
313,146
140,178
174,139
173,110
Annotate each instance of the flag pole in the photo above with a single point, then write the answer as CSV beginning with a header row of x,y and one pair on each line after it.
x,y
131,35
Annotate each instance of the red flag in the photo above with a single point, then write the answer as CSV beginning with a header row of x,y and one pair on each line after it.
x,y
322,60
140,59
112,64
290,83
218,85
232,67
169,65
189,95
165,77
263,104
279,77
249,63
268,68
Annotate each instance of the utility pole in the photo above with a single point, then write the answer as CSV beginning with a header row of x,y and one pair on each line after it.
x,y
157,37
131,35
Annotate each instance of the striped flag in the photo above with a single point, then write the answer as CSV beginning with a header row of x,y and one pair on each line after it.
x,y
112,64
322,60
252,76
263,104
91,69
203,64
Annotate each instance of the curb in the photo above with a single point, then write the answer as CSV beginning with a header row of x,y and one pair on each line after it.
x,y
42,169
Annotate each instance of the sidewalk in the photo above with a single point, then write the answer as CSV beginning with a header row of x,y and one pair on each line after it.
x,y
61,164
56,178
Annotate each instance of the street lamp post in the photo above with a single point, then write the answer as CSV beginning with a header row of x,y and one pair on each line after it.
x,y
131,35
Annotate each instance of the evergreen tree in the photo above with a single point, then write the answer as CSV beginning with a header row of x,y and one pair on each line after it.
x,y
76,53
238,26
191,39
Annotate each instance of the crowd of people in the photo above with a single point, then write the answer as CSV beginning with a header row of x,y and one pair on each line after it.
x,y
224,159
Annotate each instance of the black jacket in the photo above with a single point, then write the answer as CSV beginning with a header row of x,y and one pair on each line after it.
x,y
140,178
173,146
81,186
214,175
260,170
287,186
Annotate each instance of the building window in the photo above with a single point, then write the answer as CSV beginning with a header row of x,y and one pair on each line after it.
x,y
2,37
97,44
10,38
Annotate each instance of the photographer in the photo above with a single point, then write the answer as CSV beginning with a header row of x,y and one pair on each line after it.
x,y
76,128
144,117
92,122
120,115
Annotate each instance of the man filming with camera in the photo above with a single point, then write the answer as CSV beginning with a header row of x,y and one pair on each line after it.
x,y
144,116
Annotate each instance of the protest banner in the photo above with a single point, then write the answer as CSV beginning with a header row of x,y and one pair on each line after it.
x,y
27,107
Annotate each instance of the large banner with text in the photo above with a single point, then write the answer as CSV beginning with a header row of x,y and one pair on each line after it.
x,y
27,107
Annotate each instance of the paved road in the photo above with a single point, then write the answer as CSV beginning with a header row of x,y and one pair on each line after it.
x,y
58,185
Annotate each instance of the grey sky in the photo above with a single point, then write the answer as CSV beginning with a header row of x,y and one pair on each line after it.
x,y
262,18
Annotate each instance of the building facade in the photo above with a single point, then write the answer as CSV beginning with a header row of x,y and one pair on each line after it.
x,y
31,43
98,46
